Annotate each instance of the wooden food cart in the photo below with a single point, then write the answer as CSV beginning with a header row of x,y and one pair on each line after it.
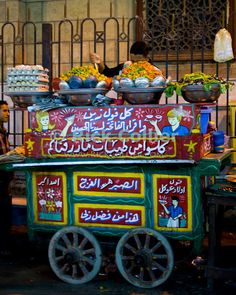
x,y
97,172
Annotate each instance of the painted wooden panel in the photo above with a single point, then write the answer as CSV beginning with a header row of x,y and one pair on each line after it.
x,y
113,216
50,198
126,132
172,198
108,184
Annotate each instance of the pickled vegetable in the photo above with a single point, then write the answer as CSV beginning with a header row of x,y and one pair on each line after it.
x,y
139,69
83,72
198,78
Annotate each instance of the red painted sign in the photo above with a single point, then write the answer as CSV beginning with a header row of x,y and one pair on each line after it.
x,y
49,192
108,184
110,216
97,147
123,121
192,147
172,199
141,132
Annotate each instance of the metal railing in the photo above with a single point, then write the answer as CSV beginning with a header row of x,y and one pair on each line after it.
x,y
61,46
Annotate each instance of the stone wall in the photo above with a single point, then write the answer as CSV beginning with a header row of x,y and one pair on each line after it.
x,y
56,10
17,12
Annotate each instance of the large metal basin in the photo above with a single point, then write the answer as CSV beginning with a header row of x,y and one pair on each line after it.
x,y
81,97
25,99
135,95
197,94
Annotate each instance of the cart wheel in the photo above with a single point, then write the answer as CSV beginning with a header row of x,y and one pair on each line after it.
x,y
74,255
144,257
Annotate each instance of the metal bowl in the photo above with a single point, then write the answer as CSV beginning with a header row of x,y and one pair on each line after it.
x,y
197,94
136,95
25,99
81,97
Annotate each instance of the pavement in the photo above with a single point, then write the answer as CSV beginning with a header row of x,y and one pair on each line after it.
x,y
27,272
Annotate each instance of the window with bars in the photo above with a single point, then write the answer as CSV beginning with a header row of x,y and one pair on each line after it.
x,y
183,26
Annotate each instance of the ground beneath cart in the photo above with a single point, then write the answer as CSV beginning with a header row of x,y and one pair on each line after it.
x,y
27,271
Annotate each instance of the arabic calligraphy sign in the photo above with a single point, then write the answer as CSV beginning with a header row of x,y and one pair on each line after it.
x,y
109,147
112,184
103,215
172,197
49,195
124,132
127,119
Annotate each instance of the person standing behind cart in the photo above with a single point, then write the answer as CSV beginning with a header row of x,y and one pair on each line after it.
x,y
5,177
138,52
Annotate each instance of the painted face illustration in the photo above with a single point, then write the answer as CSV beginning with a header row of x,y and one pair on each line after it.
x,y
175,202
44,121
173,120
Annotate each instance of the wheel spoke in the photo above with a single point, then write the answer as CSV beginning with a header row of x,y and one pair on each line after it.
x,y
127,258
83,243
137,240
160,267
74,271
65,267
132,249
154,248
66,240
152,276
147,242
75,240
141,274
61,248
159,256
59,258
88,251
84,269
89,260
130,268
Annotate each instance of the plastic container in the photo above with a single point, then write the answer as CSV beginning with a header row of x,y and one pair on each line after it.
x,y
205,118
218,141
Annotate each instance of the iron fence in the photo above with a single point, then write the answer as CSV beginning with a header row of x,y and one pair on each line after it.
x,y
60,46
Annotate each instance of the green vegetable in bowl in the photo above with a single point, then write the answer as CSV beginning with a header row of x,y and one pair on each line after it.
x,y
198,78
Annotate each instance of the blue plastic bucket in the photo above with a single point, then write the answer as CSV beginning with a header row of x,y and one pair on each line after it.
x,y
205,118
218,141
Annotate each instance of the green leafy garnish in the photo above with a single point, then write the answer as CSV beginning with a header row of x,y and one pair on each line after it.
x,y
198,78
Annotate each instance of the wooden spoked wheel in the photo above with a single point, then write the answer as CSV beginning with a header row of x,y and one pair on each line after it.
x,y
74,255
144,257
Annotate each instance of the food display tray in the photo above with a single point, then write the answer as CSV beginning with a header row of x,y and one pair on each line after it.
x,y
24,99
135,95
82,96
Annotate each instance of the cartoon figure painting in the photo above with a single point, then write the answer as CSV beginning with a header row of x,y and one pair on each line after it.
x,y
172,198
174,211
69,121
44,125
174,117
